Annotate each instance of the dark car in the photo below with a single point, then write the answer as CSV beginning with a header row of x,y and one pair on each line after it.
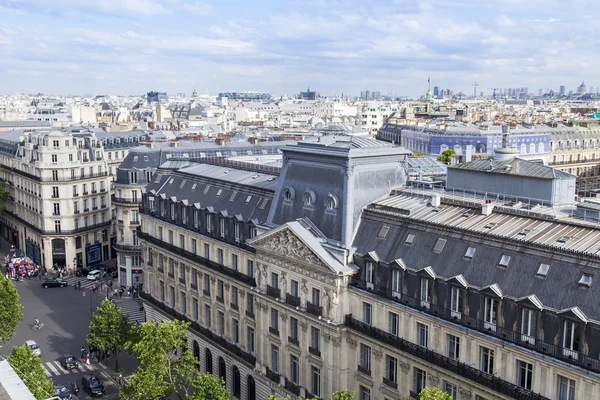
x,y
82,272
62,392
92,385
68,361
53,282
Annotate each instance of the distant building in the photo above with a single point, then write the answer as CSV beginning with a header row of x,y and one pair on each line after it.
x,y
308,95
582,89
436,91
246,96
153,97
562,90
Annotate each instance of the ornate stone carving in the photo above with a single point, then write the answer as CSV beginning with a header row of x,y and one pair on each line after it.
x,y
283,284
377,354
326,337
242,293
433,380
304,326
213,279
352,343
465,393
283,316
288,245
327,302
303,286
335,300
404,367
226,286
336,341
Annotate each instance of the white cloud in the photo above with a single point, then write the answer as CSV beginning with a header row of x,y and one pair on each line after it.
x,y
198,8
505,22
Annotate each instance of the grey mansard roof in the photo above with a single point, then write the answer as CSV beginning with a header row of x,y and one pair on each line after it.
x,y
513,166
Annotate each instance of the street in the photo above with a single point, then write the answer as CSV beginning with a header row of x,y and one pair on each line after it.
x,y
65,313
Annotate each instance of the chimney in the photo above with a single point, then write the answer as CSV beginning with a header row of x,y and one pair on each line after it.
x,y
436,200
487,208
174,143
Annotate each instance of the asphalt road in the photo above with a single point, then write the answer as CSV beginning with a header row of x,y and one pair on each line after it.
x,y
65,313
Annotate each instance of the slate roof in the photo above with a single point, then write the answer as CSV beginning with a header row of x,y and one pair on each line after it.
x,y
513,166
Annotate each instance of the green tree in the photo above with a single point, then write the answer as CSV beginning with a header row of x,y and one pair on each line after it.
x,y
446,156
110,329
166,367
3,195
10,309
29,368
341,395
434,394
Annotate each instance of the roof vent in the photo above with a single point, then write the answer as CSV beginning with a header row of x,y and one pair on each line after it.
x,y
383,232
439,245
409,239
504,261
563,239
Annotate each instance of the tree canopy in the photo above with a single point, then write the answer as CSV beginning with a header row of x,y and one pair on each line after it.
x,y
165,366
29,368
341,395
3,195
10,309
109,329
446,156
434,394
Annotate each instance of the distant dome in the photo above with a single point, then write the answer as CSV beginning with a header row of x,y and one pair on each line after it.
x,y
582,85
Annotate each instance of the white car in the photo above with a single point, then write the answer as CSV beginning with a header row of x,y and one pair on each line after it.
x,y
94,275
34,347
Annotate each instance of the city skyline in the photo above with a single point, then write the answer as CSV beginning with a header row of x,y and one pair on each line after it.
x,y
134,46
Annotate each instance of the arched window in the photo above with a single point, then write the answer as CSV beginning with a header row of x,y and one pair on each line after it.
x,y
196,351
208,361
531,148
250,388
236,389
222,369
541,148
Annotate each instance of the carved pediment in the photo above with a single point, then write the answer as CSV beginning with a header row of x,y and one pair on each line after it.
x,y
285,243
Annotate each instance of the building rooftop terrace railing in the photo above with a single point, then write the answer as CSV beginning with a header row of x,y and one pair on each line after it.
x,y
62,232
51,179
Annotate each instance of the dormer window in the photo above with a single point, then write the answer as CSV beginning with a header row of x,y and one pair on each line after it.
x,y
426,292
528,325
504,261
309,198
288,194
490,313
586,280
542,271
470,253
571,339
383,232
331,202
370,274
439,245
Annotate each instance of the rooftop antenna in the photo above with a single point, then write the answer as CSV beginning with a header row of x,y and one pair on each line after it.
x,y
475,89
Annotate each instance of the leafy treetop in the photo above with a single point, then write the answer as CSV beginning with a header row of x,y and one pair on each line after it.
x,y
29,368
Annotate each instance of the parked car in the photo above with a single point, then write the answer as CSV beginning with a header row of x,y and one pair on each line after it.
x,y
94,275
62,392
53,282
82,272
68,361
92,385
34,347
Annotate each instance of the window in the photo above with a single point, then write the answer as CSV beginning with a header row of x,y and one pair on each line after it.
x,y
250,304
250,339
56,207
315,381
222,227
162,291
524,374
571,336
422,335
364,393
183,307
419,380
425,292
172,295
504,261
54,158
182,272
194,247
439,245
207,251
207,316
250,268
453,347
470,253
274,321
294,288
182,242
370,274
391,369
316,297
528,326
396,283
208,223
456,305
220,256
315,341
221,323
542,271
586,280
234,297
487,360
55,192
294,369
75,191
195,309
220,290
206,285
566,388
237,232
170,236
365,358
367,313
274,280
57,226
451,389
294,330
274,358
383,232
394,323
490,310
234,262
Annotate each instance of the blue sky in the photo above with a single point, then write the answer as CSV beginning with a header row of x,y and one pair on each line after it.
x,y
333,46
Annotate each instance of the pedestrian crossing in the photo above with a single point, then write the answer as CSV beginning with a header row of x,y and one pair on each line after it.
x,y
53,368
85,283
131,307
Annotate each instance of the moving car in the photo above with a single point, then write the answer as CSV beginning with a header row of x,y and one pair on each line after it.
x,y
68,361
34,347
92,385
62,392
82,272
94,275
53,282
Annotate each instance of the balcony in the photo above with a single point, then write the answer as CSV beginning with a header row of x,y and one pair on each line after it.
x,y
182,280
234,306
52,232
274,331
134,222
198,259
76,211
94,191
127,247
130,201
292,300
171,275
273,292
206,292
249,314
390,383
75,194
492,329
85,193
453,366
293,341
220,299
217,340
194,287
314,351
274,376
363,370
292,387
161,269
314,309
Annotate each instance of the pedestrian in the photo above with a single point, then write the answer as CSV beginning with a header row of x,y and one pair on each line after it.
x,y
120,293
82,351
93,288
75,285
79,285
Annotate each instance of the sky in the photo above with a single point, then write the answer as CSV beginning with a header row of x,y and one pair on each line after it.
x,y
283,47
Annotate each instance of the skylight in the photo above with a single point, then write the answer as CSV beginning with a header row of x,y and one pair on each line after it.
x,y
409,239
219,192
194,187
248,199
543,270
563,239
439,245
504,261
490,225
525,232
586,280
470,253
233,195
206,189
383,232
